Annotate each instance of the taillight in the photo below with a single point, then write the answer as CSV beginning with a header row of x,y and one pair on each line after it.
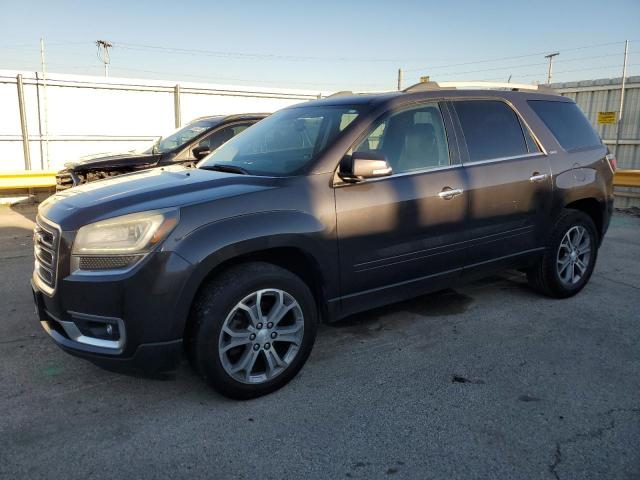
x,y
613,163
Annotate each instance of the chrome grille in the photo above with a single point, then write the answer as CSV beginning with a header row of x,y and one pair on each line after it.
x,y
45,249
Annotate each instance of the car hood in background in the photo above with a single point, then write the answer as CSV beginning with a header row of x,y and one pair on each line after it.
x,y
151,189
128,159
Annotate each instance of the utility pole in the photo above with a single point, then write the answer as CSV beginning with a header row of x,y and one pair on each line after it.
x,y
46,106
399,79
550,71
23,124
105,45
624,82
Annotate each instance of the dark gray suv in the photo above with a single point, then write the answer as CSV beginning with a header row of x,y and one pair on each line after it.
x,y
319,211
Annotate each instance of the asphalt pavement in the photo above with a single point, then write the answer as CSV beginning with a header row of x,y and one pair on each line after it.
x,y
489,380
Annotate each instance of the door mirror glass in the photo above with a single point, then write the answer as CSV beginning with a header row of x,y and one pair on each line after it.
x,y
201,151
363,165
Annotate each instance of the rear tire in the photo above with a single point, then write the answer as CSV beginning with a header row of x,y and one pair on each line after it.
x,y
569,258
241,342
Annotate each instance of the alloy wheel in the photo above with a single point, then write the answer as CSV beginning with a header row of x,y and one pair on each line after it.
x,y
574,255
261,336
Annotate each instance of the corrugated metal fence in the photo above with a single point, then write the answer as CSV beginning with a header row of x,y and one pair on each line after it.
x,y
64,117
67,116
603,95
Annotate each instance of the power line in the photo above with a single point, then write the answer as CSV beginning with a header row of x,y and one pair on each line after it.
x,y
35,45
252,81
532,74
510,67
475,62
253,56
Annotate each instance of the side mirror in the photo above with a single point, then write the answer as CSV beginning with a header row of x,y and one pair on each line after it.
x,y
200,152
363,165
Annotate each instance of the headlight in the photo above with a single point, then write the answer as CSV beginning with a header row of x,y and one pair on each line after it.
x,y
118,242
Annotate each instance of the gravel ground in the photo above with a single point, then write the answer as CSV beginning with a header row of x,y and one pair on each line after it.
x,y
488,380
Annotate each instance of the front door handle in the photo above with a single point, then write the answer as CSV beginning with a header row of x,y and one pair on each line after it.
x,y
538,177
448,193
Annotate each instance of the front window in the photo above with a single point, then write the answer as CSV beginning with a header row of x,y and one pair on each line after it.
x,y
180,137
410,140
285,142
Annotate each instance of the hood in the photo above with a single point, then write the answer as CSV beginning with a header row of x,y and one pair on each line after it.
x,y
129,159
152,189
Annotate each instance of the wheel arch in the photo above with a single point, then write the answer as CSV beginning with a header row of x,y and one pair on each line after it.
x,y
594,208
292,240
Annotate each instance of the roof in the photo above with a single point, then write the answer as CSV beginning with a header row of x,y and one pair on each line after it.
x,y
345,98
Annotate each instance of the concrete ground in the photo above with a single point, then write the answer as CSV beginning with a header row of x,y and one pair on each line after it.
x,y
486,381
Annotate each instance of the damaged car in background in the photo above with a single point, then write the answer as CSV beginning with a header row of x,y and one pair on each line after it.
x,y
184,146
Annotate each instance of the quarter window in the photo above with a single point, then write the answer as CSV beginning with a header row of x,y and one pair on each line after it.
x,y
412,139
567,123
491,129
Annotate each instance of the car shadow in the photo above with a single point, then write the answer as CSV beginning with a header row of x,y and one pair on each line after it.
x,y
442,303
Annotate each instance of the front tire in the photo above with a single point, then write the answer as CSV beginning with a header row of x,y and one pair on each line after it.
x,y
569,258
254,328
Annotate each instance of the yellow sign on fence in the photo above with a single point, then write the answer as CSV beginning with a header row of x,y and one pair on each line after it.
x,y
607,117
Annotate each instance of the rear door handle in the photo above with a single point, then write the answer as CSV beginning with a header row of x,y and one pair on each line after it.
x,y
448,193
538,177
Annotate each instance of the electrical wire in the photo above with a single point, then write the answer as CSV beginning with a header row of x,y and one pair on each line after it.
x,y
253,81
253,56
475,62
532,74
510,67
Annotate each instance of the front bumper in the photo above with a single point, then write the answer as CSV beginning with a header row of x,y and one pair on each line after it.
x,y
128,320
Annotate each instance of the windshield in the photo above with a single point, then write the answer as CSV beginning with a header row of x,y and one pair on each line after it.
x,y
183,135
284,142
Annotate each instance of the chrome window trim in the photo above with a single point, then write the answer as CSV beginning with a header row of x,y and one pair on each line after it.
x,y
398,175
504,159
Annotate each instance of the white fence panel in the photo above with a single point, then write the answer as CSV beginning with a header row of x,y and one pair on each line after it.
x,y
71,116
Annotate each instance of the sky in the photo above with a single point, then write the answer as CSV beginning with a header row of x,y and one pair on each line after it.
x,y
328,45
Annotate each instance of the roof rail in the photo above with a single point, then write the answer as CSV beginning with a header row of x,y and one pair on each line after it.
x,y
342,93
431,86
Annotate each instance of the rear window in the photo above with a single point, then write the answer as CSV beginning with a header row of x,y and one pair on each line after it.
x,y
491,129
567,123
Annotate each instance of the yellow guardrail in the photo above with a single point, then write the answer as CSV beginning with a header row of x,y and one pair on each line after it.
x,y
627,178
12,180
47,178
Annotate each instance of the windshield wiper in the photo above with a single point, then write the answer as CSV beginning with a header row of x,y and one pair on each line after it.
x,y
226,168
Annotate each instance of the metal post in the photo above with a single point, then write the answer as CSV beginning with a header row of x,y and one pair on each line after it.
x,y
105,45
550,70
23,124
399,79
176,106
624,83
46,104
